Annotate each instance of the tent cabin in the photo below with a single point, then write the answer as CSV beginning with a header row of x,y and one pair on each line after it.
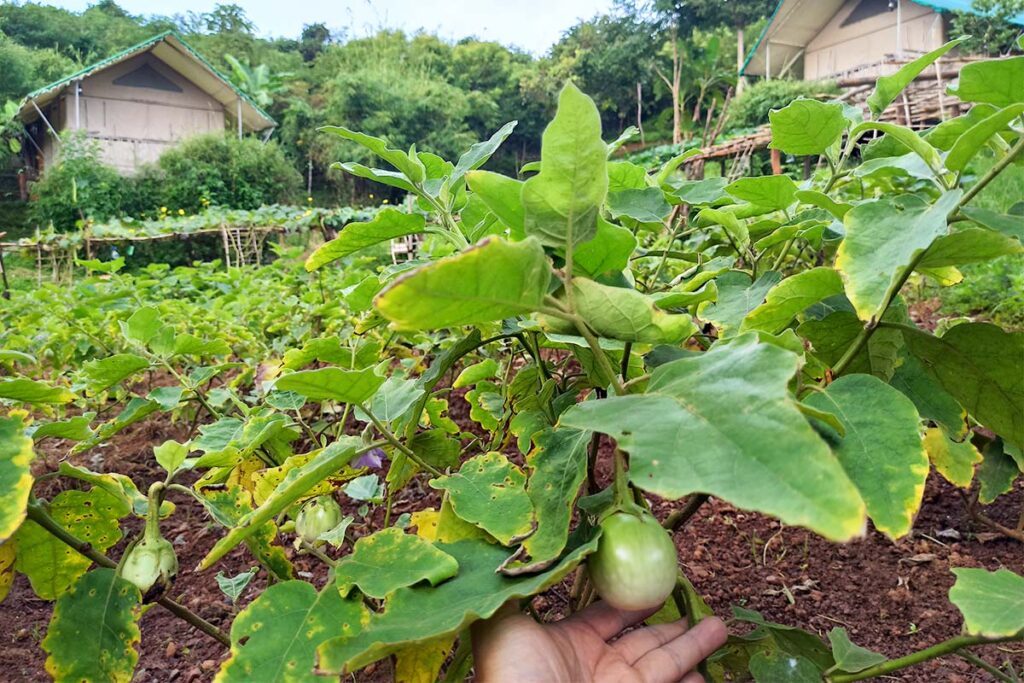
x,y
137,103
846,39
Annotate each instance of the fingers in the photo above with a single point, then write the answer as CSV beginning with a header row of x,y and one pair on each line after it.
x,y
677,658
636,644
692,677
607,621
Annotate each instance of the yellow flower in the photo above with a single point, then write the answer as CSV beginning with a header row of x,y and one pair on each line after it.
x,y
163,209
181,212
385,201
371,195
309,199
307,212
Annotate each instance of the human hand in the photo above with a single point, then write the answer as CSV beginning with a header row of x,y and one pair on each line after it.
x,y
511,647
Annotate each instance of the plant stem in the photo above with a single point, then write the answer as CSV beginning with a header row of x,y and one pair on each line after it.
x,y
679,517
664,257
992,173
38,514
942,649
982,664
393,440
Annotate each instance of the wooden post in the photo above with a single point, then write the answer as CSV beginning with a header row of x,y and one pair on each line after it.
x,y
239,111
776,162
807,167
3,271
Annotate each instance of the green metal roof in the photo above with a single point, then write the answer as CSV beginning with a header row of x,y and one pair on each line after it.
x,y
172,39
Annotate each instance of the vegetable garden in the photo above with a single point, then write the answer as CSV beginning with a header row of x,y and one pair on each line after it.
x,y
575,368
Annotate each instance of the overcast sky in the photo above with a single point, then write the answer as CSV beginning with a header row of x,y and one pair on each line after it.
x,y
533,25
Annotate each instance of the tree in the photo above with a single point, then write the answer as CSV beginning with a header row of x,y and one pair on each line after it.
x,y
258,82
988,27
314,38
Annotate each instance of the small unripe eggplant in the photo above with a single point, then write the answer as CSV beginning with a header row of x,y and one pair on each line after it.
x,y
635,566
316,517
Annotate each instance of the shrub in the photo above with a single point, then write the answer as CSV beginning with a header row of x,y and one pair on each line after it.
x,y
752,107
223,170
79,186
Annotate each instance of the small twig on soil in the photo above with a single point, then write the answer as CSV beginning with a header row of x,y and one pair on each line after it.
x,y
981,518
678,518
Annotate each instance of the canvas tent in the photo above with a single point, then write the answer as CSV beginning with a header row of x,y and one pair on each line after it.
x,y
818,39
138,102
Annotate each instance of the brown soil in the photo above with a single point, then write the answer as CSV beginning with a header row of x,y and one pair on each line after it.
x,y
891,596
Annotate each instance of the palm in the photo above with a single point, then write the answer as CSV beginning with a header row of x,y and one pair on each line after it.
x,y
514,647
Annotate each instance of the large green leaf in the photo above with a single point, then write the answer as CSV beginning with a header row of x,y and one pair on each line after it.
x,y
888,88
737,297
932,401
723,423
413,616
94,632
791,296
32,391
970,245
628,315
883,237
391,559
831,336
391,178
982,367
882,451
1011,226
954,461
495,279
106,372
478,154
906,136
503,196
332,384
771,191
15,476
562,202
408,164
968,144
275,638
997,472
74,428
806,126
386,225
490,492
992,602
646,205
993,81
50,564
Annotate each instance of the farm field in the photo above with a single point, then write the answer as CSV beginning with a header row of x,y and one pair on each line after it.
x,y
770,426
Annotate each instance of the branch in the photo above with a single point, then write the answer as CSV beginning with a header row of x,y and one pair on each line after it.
x,y
675,521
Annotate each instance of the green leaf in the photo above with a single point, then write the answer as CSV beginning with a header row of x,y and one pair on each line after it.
x,y
562,202
410,166
883,238
336,536
608,251
558,466
478,154
472,374
119,486
390,559
233,586
737,297
882,451
295,484
806,126
105,373
436,448
170,455
274,639
421,613
368,488
932,401
390,178
833,335
628,315
982,367
823,201
503,196
30,391
994,81
849,656
386,225
1012,226
909,138
490,492
15,474
52,566
968,144
971,245
732,225
723,423
167,397
191,345
394,398
143,325
888,88
495,279
700,192
332,384
954,461
997,473
787,299
94,632
646,205
775,192
776,666
992,602
73,429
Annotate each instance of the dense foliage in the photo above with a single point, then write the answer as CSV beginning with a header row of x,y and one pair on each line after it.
x,y
752,107
693,338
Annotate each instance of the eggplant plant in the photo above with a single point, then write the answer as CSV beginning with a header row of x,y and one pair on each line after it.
x,y
623,337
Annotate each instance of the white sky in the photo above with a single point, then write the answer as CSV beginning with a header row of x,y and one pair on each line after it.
x,y
533,25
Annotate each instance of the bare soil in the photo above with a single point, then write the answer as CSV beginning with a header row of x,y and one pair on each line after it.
x,y
891,596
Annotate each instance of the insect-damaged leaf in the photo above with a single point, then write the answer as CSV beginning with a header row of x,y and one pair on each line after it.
x,y
882,451
421,613
992,602
94,632
391,559
275,638
723,423
490,492
495,279
562,202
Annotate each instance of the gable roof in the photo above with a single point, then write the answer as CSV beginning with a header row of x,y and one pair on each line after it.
x,y
169,48
794,23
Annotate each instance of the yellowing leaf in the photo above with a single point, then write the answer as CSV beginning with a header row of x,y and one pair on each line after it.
x,y
15,478
954,461
390,559
490,492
